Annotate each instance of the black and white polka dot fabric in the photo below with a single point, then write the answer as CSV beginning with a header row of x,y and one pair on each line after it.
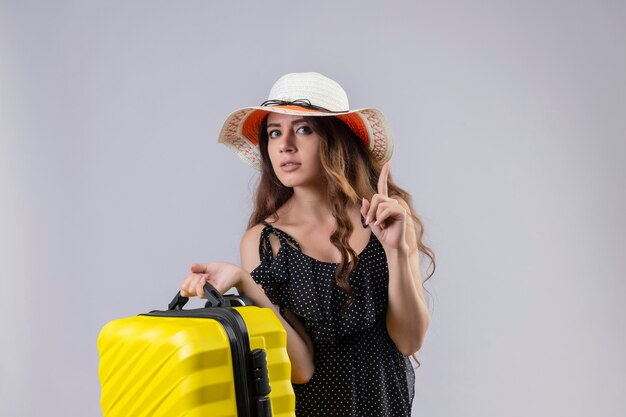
x,y
359,372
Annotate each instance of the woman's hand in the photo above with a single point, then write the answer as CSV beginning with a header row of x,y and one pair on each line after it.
x,y
386,216
221,275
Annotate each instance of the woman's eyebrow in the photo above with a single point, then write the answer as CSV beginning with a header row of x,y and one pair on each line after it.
x,y
293,122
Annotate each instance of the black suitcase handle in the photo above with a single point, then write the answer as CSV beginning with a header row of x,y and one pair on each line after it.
x,y
213,299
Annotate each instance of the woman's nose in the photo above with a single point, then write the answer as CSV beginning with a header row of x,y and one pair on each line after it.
x,y
285,147
286,143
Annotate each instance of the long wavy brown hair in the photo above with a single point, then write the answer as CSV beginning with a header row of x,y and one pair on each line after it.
x,y
350,173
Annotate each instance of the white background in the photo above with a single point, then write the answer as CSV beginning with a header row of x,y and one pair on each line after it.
x,y
509,120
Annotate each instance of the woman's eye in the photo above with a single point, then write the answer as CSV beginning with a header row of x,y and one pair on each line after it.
x,y
273,134
305,130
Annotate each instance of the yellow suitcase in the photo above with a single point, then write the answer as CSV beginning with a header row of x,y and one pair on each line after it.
x,y
216,361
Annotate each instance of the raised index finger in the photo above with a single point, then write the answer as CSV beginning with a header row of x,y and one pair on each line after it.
x,y
382,179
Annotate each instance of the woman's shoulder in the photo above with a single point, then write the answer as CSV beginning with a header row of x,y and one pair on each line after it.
x,y
251,240
249,247
252,237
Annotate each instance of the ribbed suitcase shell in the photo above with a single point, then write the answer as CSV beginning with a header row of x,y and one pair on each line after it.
x,y
182,366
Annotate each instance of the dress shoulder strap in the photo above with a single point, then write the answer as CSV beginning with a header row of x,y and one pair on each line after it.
x,y
265,248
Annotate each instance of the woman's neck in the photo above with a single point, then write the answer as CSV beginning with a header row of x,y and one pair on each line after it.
x,y
309,205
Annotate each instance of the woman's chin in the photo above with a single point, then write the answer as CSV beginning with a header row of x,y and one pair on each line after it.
x,y
298,179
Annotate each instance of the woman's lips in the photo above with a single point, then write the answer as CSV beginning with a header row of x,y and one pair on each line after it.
x,y
290,166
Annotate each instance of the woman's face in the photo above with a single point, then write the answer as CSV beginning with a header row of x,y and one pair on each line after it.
x,y
294,150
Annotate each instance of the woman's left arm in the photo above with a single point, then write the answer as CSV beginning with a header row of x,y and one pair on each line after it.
x,y
407,311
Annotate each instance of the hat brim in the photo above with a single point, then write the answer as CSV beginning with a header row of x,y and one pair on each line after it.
x,y
241,128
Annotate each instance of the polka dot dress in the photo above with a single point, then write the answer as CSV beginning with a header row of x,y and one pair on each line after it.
x,y
359,372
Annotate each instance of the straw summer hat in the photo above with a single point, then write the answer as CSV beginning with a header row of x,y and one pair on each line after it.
x,y
306,94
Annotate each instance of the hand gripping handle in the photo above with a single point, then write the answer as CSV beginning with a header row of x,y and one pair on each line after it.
x,y
213,299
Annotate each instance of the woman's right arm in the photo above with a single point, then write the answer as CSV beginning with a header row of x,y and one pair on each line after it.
x,y
299,344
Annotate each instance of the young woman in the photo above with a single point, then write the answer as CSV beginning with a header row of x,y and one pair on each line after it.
x,y
333,247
